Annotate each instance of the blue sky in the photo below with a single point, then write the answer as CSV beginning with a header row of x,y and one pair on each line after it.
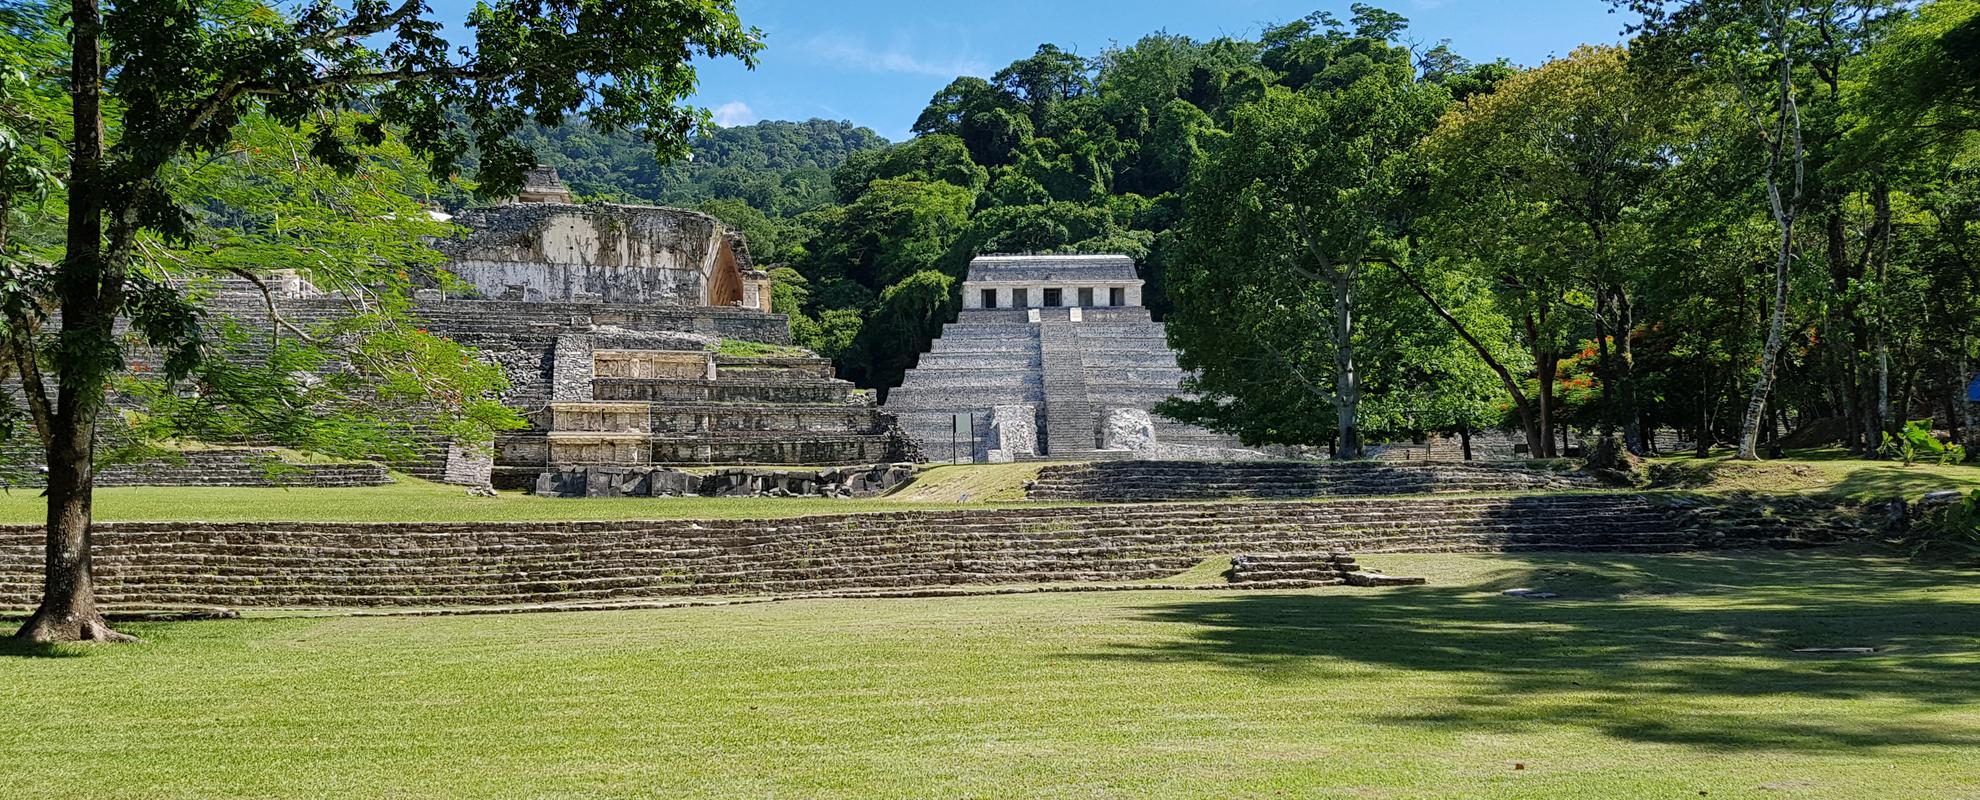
x,y
877,62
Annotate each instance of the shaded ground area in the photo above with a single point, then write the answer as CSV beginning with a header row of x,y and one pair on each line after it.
x,y
1655,676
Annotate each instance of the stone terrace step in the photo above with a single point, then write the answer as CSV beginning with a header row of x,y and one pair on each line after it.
x,y
432,564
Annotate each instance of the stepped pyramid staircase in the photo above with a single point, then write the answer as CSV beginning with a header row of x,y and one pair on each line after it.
x,y
1073,370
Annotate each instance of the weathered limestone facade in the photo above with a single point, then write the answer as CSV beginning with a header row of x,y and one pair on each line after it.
x,y
1065,336
545,248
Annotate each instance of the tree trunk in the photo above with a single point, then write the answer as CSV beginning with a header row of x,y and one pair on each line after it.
x,y
1749,439
1786,208
1464,437
1966,405
1546,363
1705,435
1625,323
89,285
1605,369
1347,383
1852,410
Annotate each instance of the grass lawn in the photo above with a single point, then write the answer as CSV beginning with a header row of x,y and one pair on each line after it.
x,y
1830,472
1655,676
413,500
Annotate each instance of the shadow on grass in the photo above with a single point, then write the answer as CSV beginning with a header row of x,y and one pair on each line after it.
x,y
1893,480
11,647
1674,644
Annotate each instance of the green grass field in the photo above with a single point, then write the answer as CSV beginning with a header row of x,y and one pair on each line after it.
x,y
1666,676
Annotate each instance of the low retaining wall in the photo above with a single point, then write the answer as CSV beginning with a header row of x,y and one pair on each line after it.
x,y
232,467
427,564
1159,481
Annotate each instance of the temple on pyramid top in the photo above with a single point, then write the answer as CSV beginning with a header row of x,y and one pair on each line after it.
x,y
1051,282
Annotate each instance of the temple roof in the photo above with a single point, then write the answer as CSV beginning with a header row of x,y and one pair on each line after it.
x,y
1081,269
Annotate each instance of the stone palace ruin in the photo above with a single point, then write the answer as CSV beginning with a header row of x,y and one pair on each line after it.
x,y
615,325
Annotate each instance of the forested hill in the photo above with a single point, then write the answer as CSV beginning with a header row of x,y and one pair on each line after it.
x,y
779,167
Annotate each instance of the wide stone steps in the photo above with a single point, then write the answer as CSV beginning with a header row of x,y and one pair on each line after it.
x,y
301,564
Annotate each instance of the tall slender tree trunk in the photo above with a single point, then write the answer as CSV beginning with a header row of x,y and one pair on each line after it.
x,y
1880,254
1546,363
1756,406
1787,148
1706,436
1845,316
1347,382
89,285
1634,436
1605,367
1852,410
1965,402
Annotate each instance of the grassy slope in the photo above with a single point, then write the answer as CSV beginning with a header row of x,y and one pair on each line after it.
x,y
1665,676
1828,472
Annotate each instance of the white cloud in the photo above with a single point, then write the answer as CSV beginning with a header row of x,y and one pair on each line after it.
x,y
734,113
856,54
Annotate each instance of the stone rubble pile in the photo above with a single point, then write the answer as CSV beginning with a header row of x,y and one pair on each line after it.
x,y
848,482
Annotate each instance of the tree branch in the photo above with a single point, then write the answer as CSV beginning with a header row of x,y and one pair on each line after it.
x,y
32,385
1505,375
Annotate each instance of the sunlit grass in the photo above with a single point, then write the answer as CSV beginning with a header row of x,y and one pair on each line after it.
x,y
1830,472
1671,676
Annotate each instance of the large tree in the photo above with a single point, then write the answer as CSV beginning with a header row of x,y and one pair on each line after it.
x,y
1785,60
151,82
1301,196
1541,183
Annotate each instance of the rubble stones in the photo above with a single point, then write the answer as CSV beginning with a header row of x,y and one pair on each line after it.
x,y
865,481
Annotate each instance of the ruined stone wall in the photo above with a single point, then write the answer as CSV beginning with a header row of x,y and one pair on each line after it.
x,y
551,252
